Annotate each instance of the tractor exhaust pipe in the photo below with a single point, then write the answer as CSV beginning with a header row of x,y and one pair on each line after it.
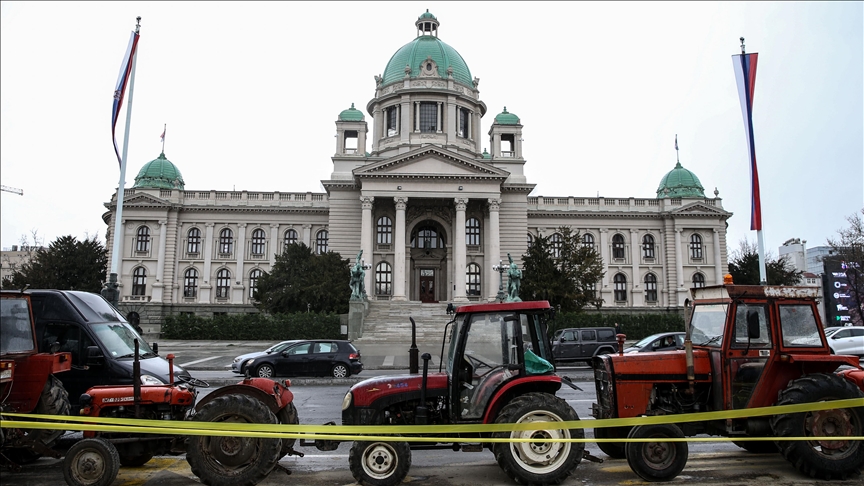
x,y
413,351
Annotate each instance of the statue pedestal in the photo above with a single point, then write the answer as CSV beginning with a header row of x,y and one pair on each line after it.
x,y
357,310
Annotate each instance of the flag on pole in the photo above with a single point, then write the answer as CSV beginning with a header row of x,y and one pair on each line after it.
x,y
120,89
676,141
162,137
745,75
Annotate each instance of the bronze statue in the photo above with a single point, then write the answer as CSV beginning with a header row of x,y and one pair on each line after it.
x,y
514,281
358,277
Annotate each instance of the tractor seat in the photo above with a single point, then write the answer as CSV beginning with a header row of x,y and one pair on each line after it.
x,y
484,389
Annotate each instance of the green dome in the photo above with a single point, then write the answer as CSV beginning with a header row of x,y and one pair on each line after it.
x,y
486,155
351,114
427,15
506,118
160,173
422,48
680,182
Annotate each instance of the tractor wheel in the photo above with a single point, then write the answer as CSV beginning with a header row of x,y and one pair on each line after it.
x,y
137,460
615,450
829,459
656,461
91,462
230,461
288,416
538,462
757,446
379,463
53,401
340,371
264,371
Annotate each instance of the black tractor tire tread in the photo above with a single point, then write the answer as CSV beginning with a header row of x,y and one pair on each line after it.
x,y
288,416
812,388
211,472
54,400
636,460
106,451
518,407
403,465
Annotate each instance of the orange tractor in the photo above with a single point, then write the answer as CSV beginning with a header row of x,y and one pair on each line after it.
x,y
746,347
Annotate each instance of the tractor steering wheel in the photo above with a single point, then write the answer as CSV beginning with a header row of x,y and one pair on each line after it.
x,y
478,363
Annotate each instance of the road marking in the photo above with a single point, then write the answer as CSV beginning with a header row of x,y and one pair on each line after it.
x,y
199,361
388,361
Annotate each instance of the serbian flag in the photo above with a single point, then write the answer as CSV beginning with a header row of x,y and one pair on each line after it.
x,y
120,89
745,75
162,137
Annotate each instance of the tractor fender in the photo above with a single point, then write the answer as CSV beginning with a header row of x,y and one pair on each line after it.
x,y
856,376
275,397
519,386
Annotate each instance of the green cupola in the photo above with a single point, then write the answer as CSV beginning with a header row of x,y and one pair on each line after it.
x,y
680,182
160,173
351,114
506,118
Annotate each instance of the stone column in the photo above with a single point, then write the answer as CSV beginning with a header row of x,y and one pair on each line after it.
x,y
237,290
416,116
340,141
494,236
204,294
634,256
159,285
361,140
440,121
459,255
399,276
679,261
367,239
604,255
405,120
718,259
452,121
378,126
274,244
307,235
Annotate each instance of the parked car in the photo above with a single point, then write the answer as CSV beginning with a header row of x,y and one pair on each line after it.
x,y
663,341
320,357
240,362
846,340
582,344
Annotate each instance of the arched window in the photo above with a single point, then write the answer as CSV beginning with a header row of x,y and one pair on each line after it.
x,y
226,241
322,238
530,239
193,241
426,237
588,240
385,231
698,280
142,242
620,287
383,279
695,247
190,283
618,246
290,237
254,275
650,288
648,246
557,242
139,281
472,232
259,242
223,283
472,279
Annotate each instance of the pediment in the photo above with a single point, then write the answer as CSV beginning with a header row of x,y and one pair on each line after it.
x,y
699,209
430,162
143,200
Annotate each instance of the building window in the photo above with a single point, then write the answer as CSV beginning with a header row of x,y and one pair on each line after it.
x,y
142,242
648,246
620,287
428,117
193,241
226,241
223,283
139,281
385,231
698,280
557,243
259,241
591,289
618,246
321,241
254,275
290,237
463,123
695,247
383,279
472,232
190,283
588,240
530,239
392,115
651,288
426,237
472,279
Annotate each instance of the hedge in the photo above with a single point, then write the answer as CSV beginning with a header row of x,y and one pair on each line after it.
x,y
259,327
635,326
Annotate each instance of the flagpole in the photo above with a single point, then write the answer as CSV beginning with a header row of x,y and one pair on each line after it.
x,y
760,241
118,217
164,133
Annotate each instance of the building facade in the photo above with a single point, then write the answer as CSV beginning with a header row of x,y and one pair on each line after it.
x,y
432,211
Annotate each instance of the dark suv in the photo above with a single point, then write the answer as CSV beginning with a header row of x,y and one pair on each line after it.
x,y
582,344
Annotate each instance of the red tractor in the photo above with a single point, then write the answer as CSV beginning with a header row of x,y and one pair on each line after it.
x,y
497,369
746,347
27,382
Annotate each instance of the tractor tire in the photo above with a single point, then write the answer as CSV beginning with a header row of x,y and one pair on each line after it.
x,y
288,416
136,460
379,463
233,461
836,459
91,462
538,462
265,371
757,446
615,450
656,461
53,401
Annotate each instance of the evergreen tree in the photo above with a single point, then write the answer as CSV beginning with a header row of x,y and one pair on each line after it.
x,y
67,264
744,267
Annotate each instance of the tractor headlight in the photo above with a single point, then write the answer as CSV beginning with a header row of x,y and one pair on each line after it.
x,y
151,380
346,402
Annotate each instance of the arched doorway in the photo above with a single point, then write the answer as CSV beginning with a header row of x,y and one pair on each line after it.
x,y
428,262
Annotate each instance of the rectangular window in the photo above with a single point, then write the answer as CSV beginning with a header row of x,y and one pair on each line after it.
x,y
392,129
799,326
428,117
463,123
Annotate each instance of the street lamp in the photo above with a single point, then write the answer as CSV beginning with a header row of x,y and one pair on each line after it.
x,y
500,268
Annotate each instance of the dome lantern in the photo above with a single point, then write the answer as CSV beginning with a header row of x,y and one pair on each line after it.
x,y
427,24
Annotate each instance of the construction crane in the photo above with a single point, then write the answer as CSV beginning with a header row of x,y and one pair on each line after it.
x,y
13,190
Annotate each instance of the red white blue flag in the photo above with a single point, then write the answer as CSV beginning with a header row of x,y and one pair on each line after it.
x,y
745,75
120,89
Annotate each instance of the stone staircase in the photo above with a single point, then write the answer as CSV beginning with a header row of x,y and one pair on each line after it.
x,y
388,323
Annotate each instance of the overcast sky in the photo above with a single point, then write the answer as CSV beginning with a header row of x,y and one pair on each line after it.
x,y
250,93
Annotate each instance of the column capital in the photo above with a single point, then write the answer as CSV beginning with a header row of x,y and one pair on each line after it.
x,y
604,230
307,226
164,222
241,225
274,225
367,201
401,202
461,203
494,204
210,225
633,231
